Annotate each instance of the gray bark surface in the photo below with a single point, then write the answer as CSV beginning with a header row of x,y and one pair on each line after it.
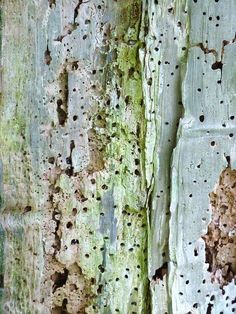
x,y
117,148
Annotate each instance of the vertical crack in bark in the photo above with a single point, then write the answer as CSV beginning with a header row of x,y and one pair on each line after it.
x,y
166,129
221,235
62,102
160,272
70,169
76,10
47,56
59,279
143,32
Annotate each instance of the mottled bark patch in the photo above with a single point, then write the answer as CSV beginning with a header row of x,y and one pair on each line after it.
x,y
96,151
72,293
221,236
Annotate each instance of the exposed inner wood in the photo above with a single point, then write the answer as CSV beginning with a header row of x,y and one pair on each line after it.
x,y
221,235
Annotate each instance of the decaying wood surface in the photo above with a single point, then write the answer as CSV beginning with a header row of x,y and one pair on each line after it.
x,y
117,147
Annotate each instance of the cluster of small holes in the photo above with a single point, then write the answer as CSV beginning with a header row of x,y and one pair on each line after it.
x,y
132,217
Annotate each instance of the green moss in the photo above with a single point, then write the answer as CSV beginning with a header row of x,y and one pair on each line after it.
x,y
12,133
127,57
128,17
124,162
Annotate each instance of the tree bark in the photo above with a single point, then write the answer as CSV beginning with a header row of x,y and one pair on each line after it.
x,y
117,155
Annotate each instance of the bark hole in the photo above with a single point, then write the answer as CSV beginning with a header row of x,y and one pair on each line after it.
x,y
52,3
217,65
160,272
1,281
221,235
47,56
209,308
61,309
59,279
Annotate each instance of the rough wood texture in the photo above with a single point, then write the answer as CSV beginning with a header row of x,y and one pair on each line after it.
x,y
117,142
71,145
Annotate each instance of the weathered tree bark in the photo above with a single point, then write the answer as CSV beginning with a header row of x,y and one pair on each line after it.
x,y
117,141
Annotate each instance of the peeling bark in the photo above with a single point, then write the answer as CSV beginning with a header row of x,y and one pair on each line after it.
x,y
221,235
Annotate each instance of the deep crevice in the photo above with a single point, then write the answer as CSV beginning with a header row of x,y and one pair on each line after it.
x,y
59,279
62,102
160,272
217,65
70,169
47,56
52,3
76,10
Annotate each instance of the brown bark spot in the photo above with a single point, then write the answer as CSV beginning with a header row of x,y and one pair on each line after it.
x,y
52,3
221,235
73,291
96,151
47,56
